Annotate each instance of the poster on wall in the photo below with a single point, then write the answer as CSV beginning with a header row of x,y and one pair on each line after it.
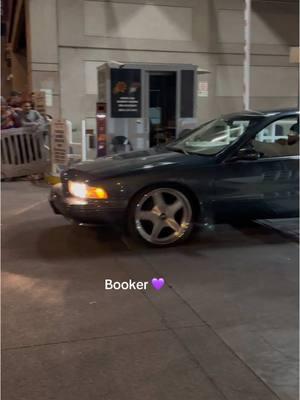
x,y
125,93
101,129
203,89
59,142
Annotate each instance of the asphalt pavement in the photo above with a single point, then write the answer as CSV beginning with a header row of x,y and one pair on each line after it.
x,y
224,326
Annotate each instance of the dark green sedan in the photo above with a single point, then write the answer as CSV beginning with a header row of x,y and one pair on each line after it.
x,y
238,166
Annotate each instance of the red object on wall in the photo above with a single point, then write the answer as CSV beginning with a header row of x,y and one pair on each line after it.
x,y
101,129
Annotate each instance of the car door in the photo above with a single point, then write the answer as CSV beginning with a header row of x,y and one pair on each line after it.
x,y
267,187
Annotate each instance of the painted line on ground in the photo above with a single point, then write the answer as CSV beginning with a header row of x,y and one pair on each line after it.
x,y
24,210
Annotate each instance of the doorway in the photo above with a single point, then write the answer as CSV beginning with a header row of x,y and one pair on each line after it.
x,y
162,107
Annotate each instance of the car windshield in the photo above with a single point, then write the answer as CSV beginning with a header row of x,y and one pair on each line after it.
x,y
212,137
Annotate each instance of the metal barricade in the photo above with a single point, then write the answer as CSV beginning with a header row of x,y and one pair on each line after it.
x,y
22,152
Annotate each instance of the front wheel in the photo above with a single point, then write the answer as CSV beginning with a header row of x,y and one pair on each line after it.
x,y
162,216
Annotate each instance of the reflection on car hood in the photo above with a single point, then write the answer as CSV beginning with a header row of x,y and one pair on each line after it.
x,y
136,161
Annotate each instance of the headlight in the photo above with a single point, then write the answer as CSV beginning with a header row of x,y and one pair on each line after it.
x,y
83,191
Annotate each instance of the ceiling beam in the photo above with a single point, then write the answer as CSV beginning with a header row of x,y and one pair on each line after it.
x,y
16,25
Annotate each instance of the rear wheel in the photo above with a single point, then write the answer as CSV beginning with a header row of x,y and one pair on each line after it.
x,y
162,216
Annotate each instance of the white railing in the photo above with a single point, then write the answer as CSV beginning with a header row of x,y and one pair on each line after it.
x,y
23,152
269,134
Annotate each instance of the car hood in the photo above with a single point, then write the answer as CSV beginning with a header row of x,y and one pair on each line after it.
x,y
135,161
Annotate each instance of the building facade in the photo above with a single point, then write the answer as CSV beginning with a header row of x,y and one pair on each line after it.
x,y
66,40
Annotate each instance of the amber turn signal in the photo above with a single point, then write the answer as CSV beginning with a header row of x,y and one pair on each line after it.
x,y
96,193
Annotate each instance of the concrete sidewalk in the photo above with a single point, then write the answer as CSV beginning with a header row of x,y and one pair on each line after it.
x,y
225,326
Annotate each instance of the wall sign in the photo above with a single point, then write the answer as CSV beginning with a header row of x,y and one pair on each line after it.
x,y
203,89
125,93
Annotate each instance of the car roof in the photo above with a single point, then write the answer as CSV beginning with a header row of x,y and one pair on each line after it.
x,y
249,114
280,111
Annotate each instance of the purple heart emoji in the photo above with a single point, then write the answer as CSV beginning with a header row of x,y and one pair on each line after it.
x,y
158,283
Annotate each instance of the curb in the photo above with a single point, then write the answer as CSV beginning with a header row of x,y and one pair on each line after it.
x,y
285,233
52,180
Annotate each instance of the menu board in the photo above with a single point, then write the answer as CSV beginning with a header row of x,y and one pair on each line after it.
x,y
125,93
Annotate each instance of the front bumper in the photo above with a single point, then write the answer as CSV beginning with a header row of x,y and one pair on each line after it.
x,y
96,212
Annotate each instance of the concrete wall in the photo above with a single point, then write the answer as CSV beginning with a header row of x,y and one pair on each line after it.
x,y
81,34
42,38
6,84
19,72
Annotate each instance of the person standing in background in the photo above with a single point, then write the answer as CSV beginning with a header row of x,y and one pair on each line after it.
x,y
15,100
28,116
9,118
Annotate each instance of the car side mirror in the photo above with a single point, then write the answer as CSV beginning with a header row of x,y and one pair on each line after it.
x,y
247,155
